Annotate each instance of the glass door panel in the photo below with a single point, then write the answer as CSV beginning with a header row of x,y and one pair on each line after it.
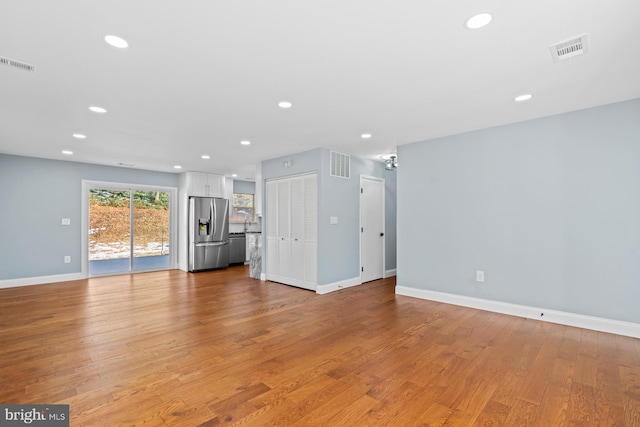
x,y
109,231
129,230
150,230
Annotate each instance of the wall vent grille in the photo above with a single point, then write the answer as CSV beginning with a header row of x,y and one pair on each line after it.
x,y
17,64
340,165
570,48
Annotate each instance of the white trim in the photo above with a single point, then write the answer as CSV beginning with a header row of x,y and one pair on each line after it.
x,y
263,277
295,175
563,318
390,273
28,281
336,286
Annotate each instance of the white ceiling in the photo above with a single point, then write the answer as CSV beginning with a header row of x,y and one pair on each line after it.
x,y
200,76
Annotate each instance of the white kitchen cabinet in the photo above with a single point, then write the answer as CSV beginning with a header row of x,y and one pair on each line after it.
x,y
228,190
206,184
291,230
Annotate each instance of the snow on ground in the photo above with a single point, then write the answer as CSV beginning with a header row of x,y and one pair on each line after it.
x,y
112,250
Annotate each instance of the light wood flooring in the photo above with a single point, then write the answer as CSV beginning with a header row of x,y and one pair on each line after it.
x,y
218,348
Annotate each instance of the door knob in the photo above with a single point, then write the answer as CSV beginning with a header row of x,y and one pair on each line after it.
x,y
381,234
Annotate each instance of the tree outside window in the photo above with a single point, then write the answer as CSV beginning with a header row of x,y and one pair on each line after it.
x,y
242,207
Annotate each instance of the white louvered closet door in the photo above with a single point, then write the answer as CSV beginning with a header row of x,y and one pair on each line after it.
x,y
284,226
297,228
292,231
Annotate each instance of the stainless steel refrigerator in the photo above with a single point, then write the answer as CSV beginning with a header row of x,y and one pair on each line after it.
x,y
208,233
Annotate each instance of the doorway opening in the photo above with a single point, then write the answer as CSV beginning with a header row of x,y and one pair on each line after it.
x,y
128,229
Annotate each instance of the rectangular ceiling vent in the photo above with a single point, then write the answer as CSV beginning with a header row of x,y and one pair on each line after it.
x,y
17,64
340,165
570,48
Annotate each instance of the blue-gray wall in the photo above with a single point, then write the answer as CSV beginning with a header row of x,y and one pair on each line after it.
x,y
548,208
35,194
339,245
244,187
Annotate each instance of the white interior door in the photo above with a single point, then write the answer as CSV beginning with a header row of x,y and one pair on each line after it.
x,y
372,228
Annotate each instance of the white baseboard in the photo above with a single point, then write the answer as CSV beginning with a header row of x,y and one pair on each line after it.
x,y
390,273
263,277
563,318
41,280
335,286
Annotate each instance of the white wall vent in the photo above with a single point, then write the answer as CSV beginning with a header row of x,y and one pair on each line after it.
x,y
17,64
570,48
340,165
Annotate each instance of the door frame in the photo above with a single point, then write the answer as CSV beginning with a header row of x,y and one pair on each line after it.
x,y
384,237
173,217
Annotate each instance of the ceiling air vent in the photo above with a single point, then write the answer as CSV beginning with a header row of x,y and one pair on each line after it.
x,y
340,165
570,48
17,64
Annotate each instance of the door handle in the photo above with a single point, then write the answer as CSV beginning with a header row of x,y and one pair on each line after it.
x,y
381,234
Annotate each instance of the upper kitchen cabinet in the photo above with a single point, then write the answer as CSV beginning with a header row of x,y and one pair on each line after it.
x,y
205,184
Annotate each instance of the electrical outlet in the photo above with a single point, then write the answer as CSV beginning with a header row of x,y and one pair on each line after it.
x,y
479,276
67,259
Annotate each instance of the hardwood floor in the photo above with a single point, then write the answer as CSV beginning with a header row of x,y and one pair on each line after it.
x,y
218,348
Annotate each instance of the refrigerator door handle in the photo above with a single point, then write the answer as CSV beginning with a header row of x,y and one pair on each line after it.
x,y
212,215
211,244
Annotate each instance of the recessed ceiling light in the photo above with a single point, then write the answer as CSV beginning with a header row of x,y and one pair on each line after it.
x,y
204,156
234,175
79,136
97,109
116,41
523,97
284,104
366,136
245,142
67,152
177,167
478,21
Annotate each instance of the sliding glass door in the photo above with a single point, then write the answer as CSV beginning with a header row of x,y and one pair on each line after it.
x,y
150,248
129,230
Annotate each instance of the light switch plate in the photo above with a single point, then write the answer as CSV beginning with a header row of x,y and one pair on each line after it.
x,y
66,221
333,220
